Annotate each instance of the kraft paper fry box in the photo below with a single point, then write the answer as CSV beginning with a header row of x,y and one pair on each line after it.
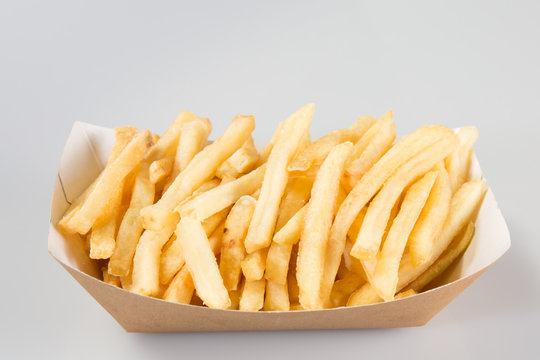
x,y
85,155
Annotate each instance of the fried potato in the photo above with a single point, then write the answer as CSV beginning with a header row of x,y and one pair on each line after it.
x,y
254,264
342,289
297,194
277,262
201,263
181,288
241,162
232,246
290,233
276,297
200,169
264,218
458,163
110,279
102,237
385,278
365,295
317,222
431,220
160,169
131,228
252,298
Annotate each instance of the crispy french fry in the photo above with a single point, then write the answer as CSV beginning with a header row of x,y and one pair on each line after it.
x,y
290,233
181,288
222,196
385,278
232,246
375,142
131,228
254,264
365,295
166,144
145,273
193,137
111,179
241,162
456,248
102,237
297,194
160,169
405,294
317,222
368,185
200,169
264,218
110,279
343,288
276,297
370,236
277,262
252,298
431,220
458,162
201,263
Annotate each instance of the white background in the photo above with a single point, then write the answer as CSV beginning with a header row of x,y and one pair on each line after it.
x,y
117,63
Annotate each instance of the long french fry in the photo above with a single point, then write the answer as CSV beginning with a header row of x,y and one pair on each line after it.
x,y
370,236
385,278
232,246
252,298
201,263
277,262
102,237
368,185
264,218
241,162
131,228
296,196
276,297
290,233
317,222
431,220
200,169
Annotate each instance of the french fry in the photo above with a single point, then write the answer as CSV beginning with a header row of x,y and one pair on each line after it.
x,y
254,264
222,196
252,298
359,127
241,162
405,294
166,144
352,263
145,273
385,278
375,142
276,297
264,217
365,295
277,262
297,194
232,246
290,233
201,263
130,228
317,222
160,169
458,162
200,169
368,185
370,236
102,237
181,288
110,279
111,179
431,220
456,248
342,289
193,136
126,282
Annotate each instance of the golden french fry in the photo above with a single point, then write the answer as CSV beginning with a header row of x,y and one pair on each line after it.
x,y
200,169
232,246
368,185
193,137
456,248
145,273
222,196
131,228
297,194
290,233
201,263
352,263
369,149
181,288
111,179
252,298
277,262
241,162
264,218
431,220
365,295
254,264
317,222
110,279
160,169
405,294
385,277
370,236
343,288
276,297
458,162
166,144
359,127
101,239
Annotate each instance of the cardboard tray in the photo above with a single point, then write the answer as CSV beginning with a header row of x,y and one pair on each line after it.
x,y
84,156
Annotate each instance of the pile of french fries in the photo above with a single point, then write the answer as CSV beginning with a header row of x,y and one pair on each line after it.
x,y
353,218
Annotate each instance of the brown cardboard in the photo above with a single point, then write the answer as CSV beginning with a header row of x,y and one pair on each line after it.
x,y
84,156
